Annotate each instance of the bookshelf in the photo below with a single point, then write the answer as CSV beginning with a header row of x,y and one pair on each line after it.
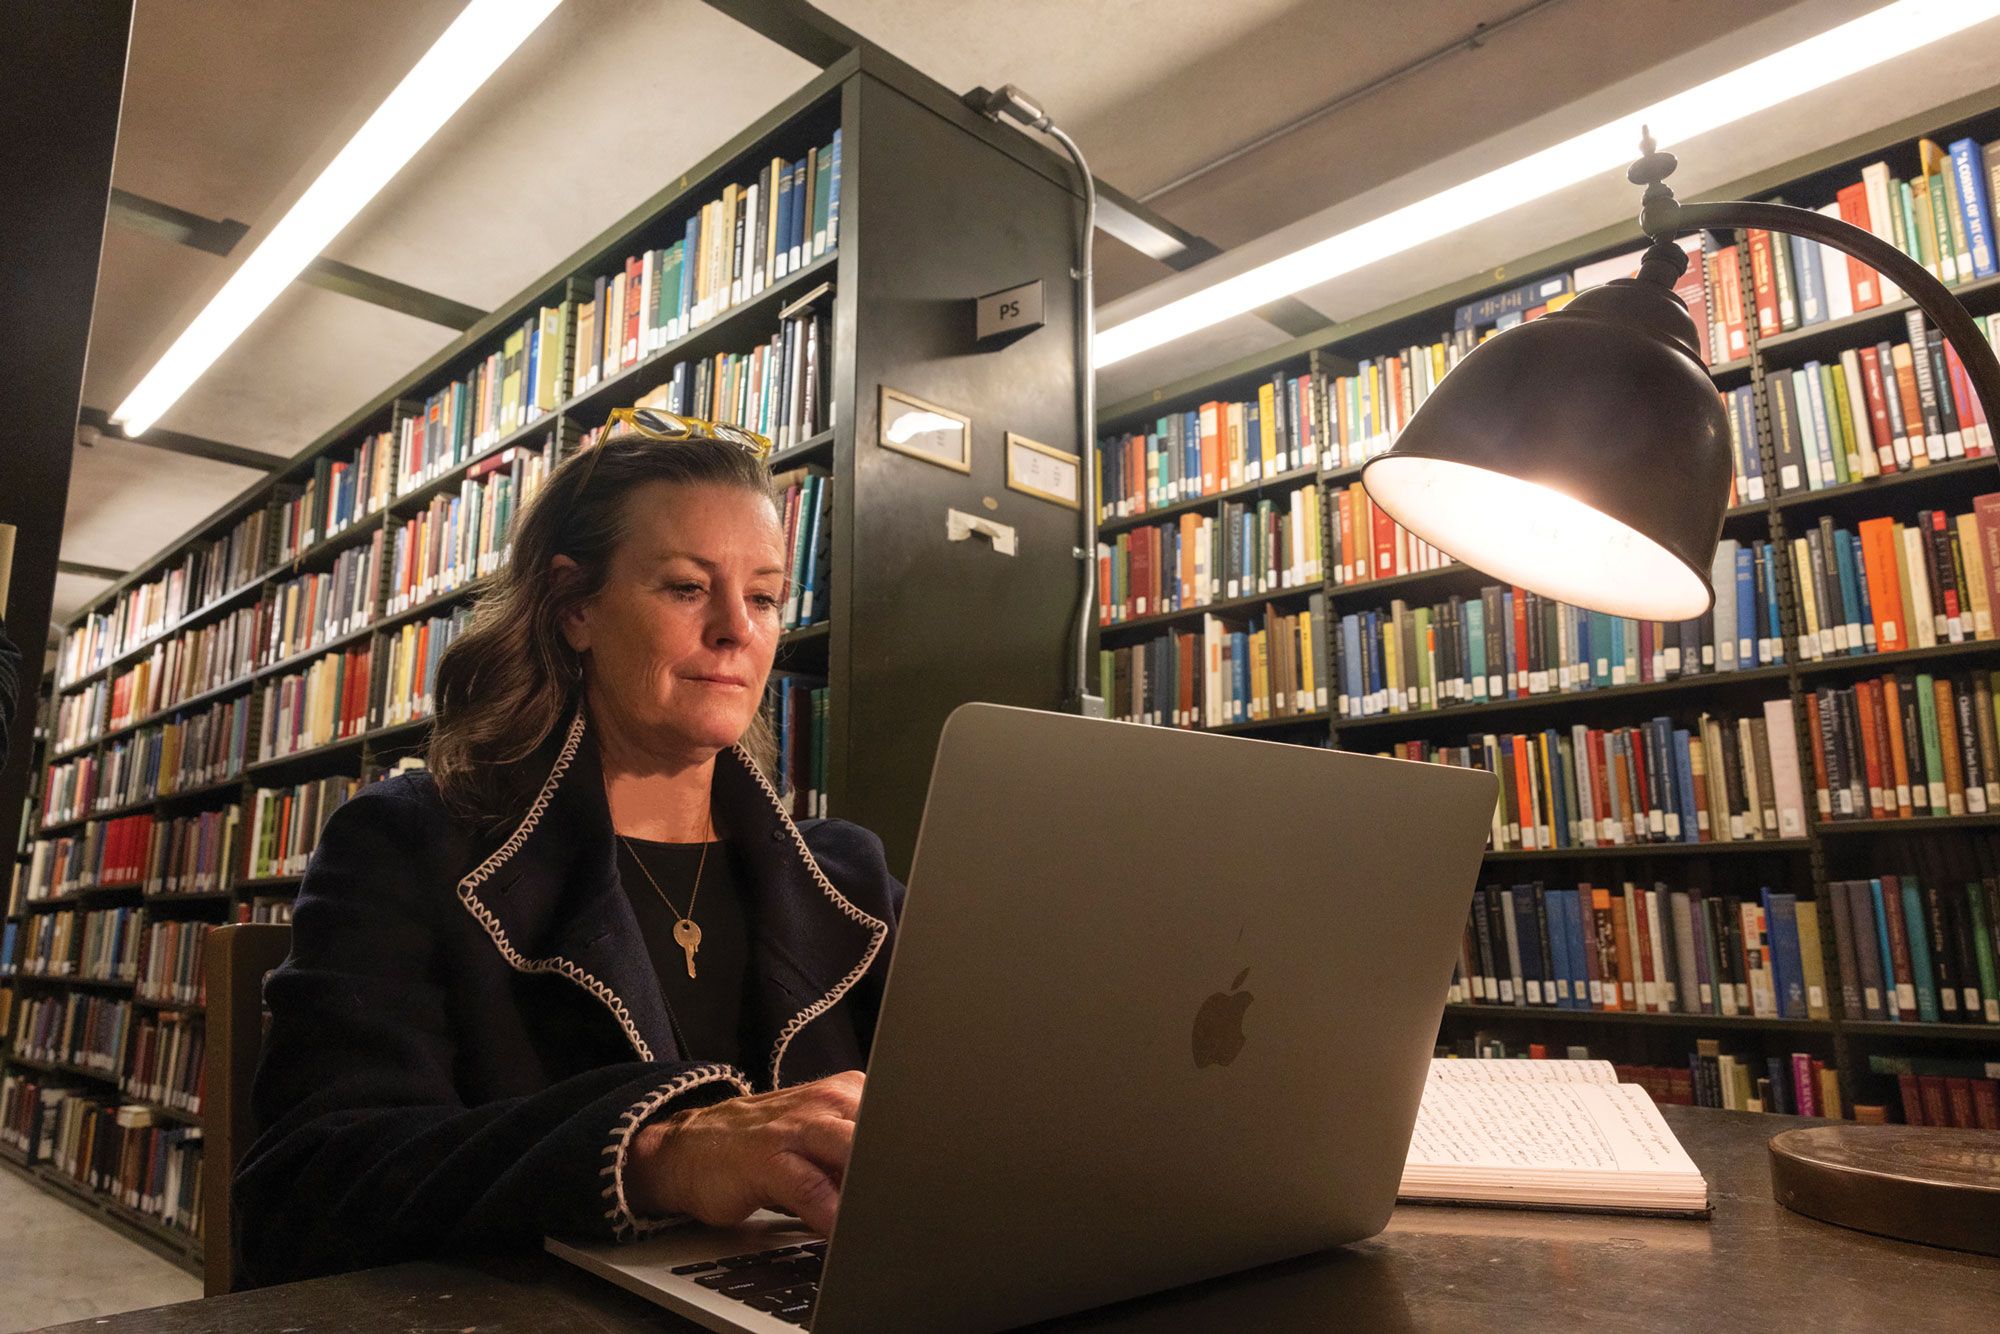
x,y
1863,1050
916,624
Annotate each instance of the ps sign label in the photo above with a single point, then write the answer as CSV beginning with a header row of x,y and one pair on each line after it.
x,y
1009,313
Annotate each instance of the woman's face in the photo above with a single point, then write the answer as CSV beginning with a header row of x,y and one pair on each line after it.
x,y
681,637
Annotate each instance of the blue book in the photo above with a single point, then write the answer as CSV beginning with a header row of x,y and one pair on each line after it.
x,y
1239,709
692,241
833,196
534,367
781,246
1920,951
1774,625
1191,452
1850,592
1550,901
1475,644
1746,608
1508,651
1684,780
1864,604
1352,683
1533,974
1253,441
1378,669
1781,925
1582,938
1564,783
1968,165
1809,279
1890,1003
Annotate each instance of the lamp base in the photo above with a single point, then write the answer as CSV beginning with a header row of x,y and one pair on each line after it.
x,y
1914,1183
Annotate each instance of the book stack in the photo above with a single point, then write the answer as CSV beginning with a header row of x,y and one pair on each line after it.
x,y
516,385
465,535
234,559
408,689
163,1061
205,748
1207,450
1905,745
1887,586
1720,780
114,851
339,494
1917,948
191,663
76,1029
26,1106
52,870
1508,643
304,613
80,718
805,498
1234,670
777,390
196,854
285,823
732,248
1954,1092
1244,549
1941,217
1367,544
120,1152
170,963
324,703
1642,951
127,769
795,709
68,790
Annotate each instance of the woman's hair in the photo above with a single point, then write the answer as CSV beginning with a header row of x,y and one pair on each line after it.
x,y
511,679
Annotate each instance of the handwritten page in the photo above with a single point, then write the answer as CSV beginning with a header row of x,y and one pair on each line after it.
x,y
1484,1071
1577,1143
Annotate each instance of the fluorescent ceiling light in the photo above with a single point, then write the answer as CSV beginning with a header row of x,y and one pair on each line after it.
x,y
1828,58
478,41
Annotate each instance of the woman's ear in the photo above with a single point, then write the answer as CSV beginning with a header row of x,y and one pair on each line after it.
x,y
575,622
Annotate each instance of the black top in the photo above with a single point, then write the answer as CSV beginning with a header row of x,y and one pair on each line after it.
x,y
706,1009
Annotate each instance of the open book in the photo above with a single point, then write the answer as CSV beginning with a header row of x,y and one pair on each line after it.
x,y
1552,1134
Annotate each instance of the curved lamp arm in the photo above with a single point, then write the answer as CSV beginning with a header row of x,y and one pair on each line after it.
x,y
1663,216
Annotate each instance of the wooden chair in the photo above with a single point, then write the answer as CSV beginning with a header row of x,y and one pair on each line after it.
x,y
238,957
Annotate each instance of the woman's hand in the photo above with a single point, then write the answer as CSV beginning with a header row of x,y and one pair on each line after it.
x,y
785,1150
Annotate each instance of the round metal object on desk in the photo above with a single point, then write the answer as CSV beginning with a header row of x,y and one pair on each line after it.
x,y
1915,1183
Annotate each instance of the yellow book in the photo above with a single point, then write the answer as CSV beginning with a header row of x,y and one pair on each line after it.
x,y
1811,959
1232,415
1267,418
1307,680
1978,595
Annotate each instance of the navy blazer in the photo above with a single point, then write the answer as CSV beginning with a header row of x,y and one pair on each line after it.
x,y
465,1037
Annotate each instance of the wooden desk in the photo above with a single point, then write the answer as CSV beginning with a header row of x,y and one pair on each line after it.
x,y
1756,1266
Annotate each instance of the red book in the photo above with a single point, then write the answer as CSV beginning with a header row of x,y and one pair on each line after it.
x,y
1958,1092
1643,947
1384,532
1520,642
1971,414
1986,1104
1854,208
1642,790
1729,283
1822,794
1873,391
1904,987
1763,285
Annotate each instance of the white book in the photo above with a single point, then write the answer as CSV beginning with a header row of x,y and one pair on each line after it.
x,y
1787,790
1546,1134
1833,269
1875,179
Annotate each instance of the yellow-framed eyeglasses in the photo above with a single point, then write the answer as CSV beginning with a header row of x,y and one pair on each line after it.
x,y
659,424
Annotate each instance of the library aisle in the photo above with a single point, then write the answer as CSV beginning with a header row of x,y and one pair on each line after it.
x,y
60,1264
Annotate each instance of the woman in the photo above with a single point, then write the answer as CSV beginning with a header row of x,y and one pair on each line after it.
x,y
584,975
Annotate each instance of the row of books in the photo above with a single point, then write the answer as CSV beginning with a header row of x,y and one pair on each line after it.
x,y
1508,643
467,534
196,854
1795,1084
68,789
339,494
193,662
153,1169
1721,779
170,962
285,823
1210,449
517,384
163,1060
1366,544
195,750
1644,951
1942,1091
113,852
408,687
98,946
1917,948
1905,745
1246,548
1941,217
323,702
301,614
733,247
82,1029
1887,586
1231,671
777,389
795,709
805,499
208,571
1876,411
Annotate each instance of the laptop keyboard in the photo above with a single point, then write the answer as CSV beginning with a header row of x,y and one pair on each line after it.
x,y
783,1282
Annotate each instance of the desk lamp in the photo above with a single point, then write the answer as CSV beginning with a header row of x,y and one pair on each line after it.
x,y
1585,456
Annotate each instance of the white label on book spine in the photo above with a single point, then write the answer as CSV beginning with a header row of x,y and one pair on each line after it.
x,y
1906,996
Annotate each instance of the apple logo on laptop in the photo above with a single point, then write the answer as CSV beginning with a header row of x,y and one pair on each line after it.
x,y
1218,1025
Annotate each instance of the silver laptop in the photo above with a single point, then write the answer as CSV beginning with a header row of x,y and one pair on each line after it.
x,y
1160,1009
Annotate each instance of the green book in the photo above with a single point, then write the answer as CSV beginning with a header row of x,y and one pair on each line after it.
x,y
1947,259
1906,203
1933,755
1982,947
1921,971
1843,394
1836,430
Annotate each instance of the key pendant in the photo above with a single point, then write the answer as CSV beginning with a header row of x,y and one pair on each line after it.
x,y
688,936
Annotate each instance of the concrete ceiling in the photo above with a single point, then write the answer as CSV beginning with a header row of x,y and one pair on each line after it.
x,y
611,97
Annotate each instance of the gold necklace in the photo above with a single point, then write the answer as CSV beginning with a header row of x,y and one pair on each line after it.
x,y
686,934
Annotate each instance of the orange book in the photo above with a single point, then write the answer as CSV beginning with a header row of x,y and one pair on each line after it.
x,y
1861,279
1210,415
1621,938
1603,942
1899,760
1885,596
1868,704
1947,728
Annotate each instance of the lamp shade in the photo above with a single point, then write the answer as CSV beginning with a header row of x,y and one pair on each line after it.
x,y
1584,456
